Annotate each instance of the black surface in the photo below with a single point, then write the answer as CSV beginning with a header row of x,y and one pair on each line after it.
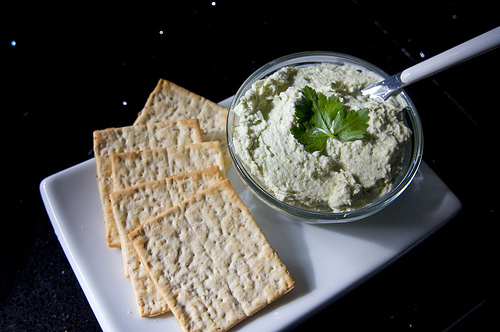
x,y
73,66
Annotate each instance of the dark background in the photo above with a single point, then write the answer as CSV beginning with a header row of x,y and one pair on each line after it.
x,y
73,67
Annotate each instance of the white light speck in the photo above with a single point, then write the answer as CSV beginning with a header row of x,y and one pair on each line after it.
x,y
13,43
213,3
161,32
124,103
422,55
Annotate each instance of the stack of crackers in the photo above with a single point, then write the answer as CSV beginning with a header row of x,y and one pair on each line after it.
x,y
189,244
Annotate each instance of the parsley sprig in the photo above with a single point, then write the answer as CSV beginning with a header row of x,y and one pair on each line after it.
x,y
320,118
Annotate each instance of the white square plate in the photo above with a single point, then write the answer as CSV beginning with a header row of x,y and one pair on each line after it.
x,y
326,261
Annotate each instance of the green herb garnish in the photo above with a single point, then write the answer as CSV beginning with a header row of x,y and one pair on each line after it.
x,y
320,117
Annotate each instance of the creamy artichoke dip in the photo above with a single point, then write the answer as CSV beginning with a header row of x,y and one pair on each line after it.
x,y
345,175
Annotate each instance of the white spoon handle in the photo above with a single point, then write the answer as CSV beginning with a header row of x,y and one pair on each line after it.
x,y
453,56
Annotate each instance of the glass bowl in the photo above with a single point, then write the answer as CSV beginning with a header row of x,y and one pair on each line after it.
x,y
412,152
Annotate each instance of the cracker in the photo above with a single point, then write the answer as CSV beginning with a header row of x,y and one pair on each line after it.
x,y
132,168
169,101
210,260
133,206
132,138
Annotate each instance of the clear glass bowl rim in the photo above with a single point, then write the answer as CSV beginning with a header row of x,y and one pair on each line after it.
x,y
309,215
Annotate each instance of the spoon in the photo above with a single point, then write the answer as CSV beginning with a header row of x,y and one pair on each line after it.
x,y
465,51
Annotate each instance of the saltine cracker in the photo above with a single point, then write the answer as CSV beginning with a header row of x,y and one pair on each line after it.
x,y
211,261
169,101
